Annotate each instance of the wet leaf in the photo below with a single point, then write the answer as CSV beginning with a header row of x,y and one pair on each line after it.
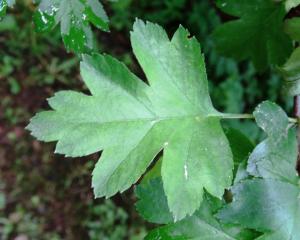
x,y
133,121
276,156
257,34
74,17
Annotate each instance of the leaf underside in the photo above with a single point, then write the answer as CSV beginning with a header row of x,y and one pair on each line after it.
x,y
133,121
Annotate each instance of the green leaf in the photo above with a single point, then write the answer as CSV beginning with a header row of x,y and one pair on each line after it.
x,y
291,73
241,148
133,121
74,17
202,225
291,27
154,172
8,23
152,204
289,4
3,6
257,34
240,145
239,232
267,205
276,156
291,69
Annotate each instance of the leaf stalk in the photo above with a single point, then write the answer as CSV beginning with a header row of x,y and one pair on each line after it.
x,y
250,116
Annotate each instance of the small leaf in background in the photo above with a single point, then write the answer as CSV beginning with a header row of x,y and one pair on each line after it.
x,y
152,204
266,205
291,69
292,28
257,34
132,121
240,145
291,74
8,23
289,4
4,4
154,172
74,17
241,148
15,87
276,156
231,92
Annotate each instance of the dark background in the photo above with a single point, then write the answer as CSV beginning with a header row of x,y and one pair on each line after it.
x,y
47,196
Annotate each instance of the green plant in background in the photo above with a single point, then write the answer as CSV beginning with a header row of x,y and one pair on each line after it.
x,y
133,122
106,222
261,23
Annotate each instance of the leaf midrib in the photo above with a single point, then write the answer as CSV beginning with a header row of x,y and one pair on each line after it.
x,y
197,118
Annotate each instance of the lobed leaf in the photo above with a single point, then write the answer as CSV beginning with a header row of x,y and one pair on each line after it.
x,y
202,225
74,17
267,205
276,156
133,121
257,34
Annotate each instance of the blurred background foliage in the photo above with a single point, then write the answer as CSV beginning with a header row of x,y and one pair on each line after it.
x,y
46,196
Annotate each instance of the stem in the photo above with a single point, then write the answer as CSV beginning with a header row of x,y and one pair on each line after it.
x,y
297,106
250,116
238,116
297,115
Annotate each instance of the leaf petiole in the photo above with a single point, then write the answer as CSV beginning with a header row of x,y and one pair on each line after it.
x,y
249,116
